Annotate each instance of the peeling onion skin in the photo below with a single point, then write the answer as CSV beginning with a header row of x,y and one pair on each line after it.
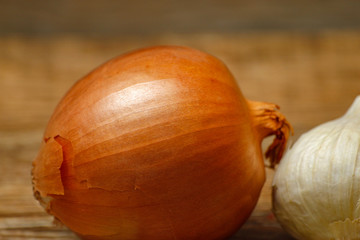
x,y
158,143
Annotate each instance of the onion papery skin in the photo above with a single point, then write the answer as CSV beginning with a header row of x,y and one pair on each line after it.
x,y
158,143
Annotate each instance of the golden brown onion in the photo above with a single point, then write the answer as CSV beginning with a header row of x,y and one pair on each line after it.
x,y
158,143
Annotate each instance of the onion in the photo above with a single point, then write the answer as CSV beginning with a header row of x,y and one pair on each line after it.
x,y
158,143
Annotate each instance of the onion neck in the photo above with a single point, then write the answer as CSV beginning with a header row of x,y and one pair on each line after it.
x,y
267,121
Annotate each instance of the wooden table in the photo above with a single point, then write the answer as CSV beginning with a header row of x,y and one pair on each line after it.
x,y
314,77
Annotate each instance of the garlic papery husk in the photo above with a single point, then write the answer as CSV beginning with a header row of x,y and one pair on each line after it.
x,y
316,187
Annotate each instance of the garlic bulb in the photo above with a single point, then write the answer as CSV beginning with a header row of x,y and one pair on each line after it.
x,y
316,188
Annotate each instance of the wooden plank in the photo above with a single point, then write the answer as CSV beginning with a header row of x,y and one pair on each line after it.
x,y
106,17
313,77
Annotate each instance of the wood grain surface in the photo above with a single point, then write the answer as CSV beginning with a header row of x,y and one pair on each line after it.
x,y
314,77
108,17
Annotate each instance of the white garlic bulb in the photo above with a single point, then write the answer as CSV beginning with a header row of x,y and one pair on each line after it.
x,y
316,188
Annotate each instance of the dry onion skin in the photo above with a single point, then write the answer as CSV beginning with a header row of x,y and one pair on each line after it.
x,y
158,143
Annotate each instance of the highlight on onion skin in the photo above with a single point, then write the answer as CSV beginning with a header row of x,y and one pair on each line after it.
x,y
158,143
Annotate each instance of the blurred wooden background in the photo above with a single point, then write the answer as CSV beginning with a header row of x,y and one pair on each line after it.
x,y
302,55
110,17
